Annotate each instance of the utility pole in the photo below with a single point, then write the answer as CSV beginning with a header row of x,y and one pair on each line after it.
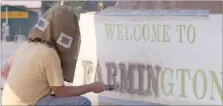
x,y
62,2
6,17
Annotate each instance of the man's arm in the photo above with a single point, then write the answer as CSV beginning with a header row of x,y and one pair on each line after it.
x,y
53,70
6,68
68,91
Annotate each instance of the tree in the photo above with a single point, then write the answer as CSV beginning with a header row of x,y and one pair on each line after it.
x,y
77,6
46,5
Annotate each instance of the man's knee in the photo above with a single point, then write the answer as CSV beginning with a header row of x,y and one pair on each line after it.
x,y
85,101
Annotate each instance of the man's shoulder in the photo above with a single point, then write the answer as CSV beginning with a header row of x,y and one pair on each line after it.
x,y
48,51
38,50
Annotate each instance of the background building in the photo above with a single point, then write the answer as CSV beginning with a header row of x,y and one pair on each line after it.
x,y
19,19
80,6
214,7
35,9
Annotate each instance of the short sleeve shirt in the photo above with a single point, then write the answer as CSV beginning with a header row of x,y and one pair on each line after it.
x,y
35,68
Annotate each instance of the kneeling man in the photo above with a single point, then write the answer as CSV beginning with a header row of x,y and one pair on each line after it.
x,y
36,72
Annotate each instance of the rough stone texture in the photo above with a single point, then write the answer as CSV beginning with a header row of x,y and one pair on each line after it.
x,y
212,6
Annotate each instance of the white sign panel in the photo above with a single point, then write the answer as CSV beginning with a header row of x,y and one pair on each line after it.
x,y
165,60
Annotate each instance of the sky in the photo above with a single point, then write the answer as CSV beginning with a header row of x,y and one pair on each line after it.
x,y
28,4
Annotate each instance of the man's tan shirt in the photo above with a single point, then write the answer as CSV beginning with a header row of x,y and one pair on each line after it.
x,y
35,68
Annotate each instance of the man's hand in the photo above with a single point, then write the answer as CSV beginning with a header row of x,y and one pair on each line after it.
x,y
5,71
97,87
6,68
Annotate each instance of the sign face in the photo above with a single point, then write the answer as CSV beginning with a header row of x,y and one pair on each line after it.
x,y
165,60
15,14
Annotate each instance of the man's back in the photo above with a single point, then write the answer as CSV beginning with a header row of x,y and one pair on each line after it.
x,y
27,81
